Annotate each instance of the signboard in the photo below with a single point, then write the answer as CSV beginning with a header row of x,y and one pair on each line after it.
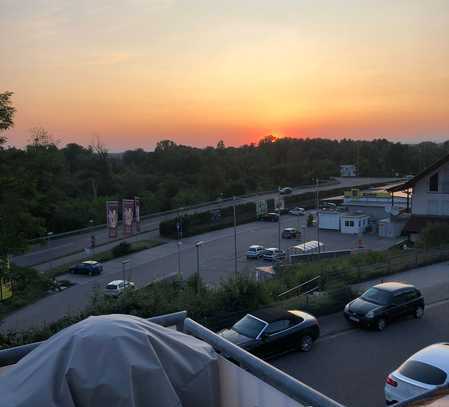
x,y
128,216
261,207
137,213
5,289
112,218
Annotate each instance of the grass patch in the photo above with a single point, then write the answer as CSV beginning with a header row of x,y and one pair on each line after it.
x,y
107,255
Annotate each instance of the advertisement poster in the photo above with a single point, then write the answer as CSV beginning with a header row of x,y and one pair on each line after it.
x,y
137,213
128,216
112,218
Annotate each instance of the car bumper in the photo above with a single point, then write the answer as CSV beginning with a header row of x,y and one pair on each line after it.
x,y
359,320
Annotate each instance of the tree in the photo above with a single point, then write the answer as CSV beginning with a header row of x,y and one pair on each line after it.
x,y
7,112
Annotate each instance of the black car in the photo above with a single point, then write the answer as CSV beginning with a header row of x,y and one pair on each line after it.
x,y
270,217
383,303
290,233
272,330
89,267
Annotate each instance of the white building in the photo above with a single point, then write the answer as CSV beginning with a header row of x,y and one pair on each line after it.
x,y
430,197
354,223
348,170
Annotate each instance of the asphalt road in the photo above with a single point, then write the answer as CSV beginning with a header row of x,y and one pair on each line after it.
x,y
351,367
216,262
76,243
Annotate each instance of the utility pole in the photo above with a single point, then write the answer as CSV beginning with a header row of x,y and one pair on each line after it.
x,y
124,263
235,239
197,245
179,242
318,214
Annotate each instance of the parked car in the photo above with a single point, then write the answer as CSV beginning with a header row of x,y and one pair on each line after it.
x,y
328,205
290,233
270,217
424,371
117,287
255,251
89,267
272,330
285,190
383,303
297,211
273,254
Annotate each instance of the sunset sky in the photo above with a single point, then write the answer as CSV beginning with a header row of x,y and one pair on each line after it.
x,y
133,72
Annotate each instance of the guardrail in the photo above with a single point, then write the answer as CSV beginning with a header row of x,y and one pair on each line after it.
x,y
173,211
269,374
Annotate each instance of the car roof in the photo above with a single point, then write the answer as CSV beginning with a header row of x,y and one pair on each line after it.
x,y
273,314
115,282
255,246
272,248
435,355
289,228
393,286
90,262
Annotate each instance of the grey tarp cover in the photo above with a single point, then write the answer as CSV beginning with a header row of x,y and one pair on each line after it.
x,y
114,360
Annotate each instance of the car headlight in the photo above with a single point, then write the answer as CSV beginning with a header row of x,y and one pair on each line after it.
x,y
370,314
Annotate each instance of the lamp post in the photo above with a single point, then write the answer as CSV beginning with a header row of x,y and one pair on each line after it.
x,y
49,235
279,218
124,263
318,214
197,245
235,238
179,244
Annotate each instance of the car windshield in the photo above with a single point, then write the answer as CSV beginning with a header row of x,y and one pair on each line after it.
x,y
423,373
377,296
252,249
111,287
249,326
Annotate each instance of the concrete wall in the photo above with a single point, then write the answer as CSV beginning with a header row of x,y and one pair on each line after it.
x,y
238,388
425,202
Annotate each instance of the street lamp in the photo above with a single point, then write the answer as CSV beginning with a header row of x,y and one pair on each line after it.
x,y
197,245
318,214
49,235
279,218
124,263
235,238
179,244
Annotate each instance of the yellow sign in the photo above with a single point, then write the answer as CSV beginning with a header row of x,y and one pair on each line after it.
x,y
5,289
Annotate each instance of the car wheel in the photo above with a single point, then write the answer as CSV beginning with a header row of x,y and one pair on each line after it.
x,y
306,343
419,312
381,324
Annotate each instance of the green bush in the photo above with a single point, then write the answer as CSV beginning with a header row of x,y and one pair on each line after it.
x,y
122,249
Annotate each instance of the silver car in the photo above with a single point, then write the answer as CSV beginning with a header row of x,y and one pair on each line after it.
x,y
117,287
255,251
422,372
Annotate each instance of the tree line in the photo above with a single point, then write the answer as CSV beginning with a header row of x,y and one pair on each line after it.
x,y
47,187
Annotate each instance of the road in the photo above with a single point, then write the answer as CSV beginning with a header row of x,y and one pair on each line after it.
x,y
76,243
351,366
216,262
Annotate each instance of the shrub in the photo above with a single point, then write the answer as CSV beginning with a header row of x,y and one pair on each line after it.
x,y
434,235
121,249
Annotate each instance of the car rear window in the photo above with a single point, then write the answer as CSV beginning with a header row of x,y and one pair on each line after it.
x,y
423,373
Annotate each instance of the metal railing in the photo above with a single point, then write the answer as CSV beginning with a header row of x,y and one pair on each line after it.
x,y
300,286
13,355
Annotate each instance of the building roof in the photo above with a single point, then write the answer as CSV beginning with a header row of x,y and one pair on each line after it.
x,y
412,182
392,286
416,223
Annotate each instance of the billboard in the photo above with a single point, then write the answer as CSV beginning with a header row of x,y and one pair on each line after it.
x,y
137,213
128,216
112,218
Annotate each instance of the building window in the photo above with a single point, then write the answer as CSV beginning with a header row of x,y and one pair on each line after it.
x,y
433,183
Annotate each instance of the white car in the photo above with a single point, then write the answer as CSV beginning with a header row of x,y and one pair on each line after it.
x,y
297,211
273,254
117,287
424,371
255,251
285,190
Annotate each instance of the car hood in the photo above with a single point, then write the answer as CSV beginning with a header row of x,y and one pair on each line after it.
x,y
235,337
360,306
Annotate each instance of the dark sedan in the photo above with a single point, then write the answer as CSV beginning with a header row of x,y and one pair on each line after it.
x,y
89,267
383,303
271,331
270,217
